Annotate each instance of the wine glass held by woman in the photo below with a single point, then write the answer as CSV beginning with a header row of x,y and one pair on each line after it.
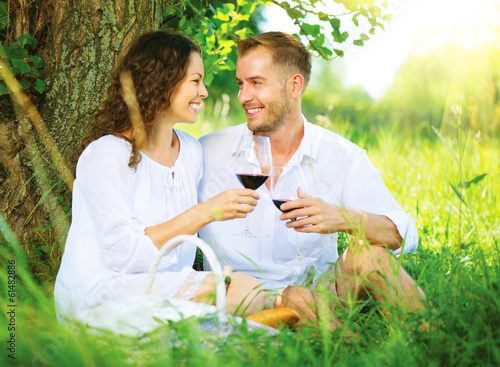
x,y
252,164
136,184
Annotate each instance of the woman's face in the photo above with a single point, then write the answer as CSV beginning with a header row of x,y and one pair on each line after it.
x,y
186,98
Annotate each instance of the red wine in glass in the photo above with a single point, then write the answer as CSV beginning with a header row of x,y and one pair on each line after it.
x,y
278,203
252,181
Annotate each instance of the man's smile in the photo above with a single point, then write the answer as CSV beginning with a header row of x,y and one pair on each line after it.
x,y
253,111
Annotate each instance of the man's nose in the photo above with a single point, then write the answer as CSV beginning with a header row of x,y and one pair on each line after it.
x,y
244,95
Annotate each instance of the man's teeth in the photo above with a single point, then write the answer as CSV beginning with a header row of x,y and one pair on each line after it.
x,y
254,110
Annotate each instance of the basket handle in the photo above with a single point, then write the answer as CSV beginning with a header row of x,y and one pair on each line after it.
x,y
220,287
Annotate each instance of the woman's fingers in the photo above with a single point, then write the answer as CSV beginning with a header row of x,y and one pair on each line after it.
x,y
235,203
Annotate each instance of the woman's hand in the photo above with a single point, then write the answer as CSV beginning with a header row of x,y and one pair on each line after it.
x,y
231,204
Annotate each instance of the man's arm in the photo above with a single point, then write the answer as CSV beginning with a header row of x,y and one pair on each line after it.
x,y
318,216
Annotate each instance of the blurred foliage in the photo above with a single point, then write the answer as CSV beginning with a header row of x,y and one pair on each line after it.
x,y
432,89
213,24
442,89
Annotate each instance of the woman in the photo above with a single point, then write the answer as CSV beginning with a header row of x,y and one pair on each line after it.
x,y
135,189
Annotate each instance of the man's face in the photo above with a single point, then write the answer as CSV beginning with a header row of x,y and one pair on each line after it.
x,y
262,94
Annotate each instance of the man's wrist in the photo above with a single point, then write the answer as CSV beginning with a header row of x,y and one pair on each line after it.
x,y
352,220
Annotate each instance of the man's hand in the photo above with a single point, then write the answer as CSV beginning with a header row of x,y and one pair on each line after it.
x,y
314,215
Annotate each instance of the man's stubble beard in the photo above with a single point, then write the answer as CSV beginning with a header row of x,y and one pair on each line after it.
x,y
277,112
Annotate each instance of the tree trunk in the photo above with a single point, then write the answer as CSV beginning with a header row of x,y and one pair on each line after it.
x,y
86,38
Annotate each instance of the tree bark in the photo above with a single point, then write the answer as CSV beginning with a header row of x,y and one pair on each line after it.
x,y
85,41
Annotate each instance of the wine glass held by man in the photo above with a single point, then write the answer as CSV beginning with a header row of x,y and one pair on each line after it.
x,y
345,191
136,184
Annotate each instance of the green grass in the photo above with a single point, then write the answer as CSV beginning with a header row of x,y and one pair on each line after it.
x,y
457,265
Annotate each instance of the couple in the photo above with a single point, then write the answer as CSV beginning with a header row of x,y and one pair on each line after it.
x,y
139,186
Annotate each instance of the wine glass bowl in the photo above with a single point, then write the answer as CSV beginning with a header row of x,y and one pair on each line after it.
x,y
285,184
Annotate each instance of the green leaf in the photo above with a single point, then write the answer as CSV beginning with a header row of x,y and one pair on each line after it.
x,y
3,89
355,19
21,65
37,60
387,17
335,23
358,42
475,180
4,15
322,16
364,37
25,84
4,51
39,85
339,53
16,52
311,29
375,11
26,40
4,9
36,72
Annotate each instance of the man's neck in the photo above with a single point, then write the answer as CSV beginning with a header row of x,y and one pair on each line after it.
x,y
286,140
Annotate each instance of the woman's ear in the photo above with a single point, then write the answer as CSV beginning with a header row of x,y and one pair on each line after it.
x,y
296,83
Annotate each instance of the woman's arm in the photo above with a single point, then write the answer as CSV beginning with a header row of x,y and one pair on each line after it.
x,y
230,204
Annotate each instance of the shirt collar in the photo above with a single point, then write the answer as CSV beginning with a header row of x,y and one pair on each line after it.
x,y
308,145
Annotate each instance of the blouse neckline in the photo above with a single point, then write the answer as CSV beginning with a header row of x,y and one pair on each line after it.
x,y
181,149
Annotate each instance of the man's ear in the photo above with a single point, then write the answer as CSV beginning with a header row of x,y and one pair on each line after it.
x,y
296,84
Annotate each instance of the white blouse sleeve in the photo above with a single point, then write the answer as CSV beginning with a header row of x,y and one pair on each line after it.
x,y
366,191
103,177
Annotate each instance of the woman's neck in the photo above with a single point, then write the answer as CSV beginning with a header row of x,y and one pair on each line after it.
x,y
162,145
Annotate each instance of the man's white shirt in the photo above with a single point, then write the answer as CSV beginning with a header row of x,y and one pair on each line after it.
x,y
336,170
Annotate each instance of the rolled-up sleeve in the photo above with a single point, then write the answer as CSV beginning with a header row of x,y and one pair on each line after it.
x,y
366,191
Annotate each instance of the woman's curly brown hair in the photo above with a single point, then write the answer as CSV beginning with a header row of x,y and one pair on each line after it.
x,y
157,62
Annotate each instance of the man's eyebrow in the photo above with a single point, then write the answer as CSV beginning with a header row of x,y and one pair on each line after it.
x,y
252,78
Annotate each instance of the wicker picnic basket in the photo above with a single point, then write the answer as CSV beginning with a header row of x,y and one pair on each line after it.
x,y
144,314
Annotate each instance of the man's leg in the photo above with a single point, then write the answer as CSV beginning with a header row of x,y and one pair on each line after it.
x,y
310,307
363,269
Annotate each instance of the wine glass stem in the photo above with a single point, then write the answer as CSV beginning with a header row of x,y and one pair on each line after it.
x,y
246,232
299,255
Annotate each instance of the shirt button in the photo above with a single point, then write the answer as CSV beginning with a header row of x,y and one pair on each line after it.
x,y
267,235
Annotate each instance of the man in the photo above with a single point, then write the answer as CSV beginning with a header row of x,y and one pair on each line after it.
x,y
345,191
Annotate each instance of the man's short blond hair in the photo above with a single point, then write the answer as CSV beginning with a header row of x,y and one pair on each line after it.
x,y
289,54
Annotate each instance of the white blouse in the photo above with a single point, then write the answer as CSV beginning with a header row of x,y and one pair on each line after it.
x,y
107,253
